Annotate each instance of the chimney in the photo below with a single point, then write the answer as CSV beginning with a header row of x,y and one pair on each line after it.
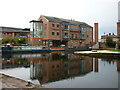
x,y
96,68
118,28
109,34
95,32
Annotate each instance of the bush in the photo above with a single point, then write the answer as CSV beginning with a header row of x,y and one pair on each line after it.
x,y
15,40
110,43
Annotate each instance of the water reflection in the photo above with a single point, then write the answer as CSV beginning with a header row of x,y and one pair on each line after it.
x,y
59,66
56,66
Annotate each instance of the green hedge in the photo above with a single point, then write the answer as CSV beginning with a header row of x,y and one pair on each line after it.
x,y
15,40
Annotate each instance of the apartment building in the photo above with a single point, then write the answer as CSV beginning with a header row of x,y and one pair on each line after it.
x,y
56,32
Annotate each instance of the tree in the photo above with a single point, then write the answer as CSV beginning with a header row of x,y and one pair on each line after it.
x,y
110,43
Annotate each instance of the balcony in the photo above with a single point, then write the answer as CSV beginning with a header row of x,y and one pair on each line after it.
x,y
66,37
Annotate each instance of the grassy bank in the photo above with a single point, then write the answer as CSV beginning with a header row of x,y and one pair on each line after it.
x,y
115,50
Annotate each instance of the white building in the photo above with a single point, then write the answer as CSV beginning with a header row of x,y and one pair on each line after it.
x,y
119,11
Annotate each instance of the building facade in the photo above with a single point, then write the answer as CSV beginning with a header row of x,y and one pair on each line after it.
x,y
56,32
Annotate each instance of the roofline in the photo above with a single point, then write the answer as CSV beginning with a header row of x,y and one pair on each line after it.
x,y
68,20
45,18
11,27
36,21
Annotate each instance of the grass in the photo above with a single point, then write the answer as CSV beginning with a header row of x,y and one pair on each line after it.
x,y
115,50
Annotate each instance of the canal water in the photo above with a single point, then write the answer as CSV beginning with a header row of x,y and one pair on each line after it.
x,y
63,70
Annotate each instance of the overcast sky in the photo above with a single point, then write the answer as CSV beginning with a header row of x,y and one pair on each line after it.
x,y
18,13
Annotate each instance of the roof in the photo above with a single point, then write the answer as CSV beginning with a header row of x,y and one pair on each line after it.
x,y
12,29
36,21
66,21
112,36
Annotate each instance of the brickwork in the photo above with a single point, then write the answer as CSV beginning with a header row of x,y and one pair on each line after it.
x,y
96,32
118,28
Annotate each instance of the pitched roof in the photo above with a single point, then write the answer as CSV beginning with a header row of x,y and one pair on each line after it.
x,y
66,21
12,29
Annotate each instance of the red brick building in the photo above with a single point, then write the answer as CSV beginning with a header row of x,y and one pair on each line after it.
x,y
11,32
8,32
54,32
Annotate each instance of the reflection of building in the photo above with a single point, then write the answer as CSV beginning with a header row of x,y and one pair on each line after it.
x,y
96,65
52,31
118,65
60,66
14,62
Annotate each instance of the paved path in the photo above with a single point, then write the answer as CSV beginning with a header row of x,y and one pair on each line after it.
x,y
12,82
96,51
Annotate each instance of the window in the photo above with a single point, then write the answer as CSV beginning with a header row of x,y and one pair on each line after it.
x,y
76,36
53,33
90,36
53,66
83,36
58,66
66,34
57,33
72,28
87,35
53,25
57,25
80,42
45,26
72,35
66,26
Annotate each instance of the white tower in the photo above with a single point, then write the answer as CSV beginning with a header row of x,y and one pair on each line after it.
x,y
119,11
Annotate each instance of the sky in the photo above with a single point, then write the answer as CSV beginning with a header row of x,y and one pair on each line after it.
x,y
18,13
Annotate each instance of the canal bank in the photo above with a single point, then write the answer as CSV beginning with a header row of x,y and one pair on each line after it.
x,y
12,82
100,53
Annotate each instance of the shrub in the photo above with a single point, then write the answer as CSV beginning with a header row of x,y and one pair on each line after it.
x,y
110,43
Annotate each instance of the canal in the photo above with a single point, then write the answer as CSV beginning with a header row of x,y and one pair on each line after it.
x,y
63,70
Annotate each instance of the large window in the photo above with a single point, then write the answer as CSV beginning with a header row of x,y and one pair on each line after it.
x,y
36,30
